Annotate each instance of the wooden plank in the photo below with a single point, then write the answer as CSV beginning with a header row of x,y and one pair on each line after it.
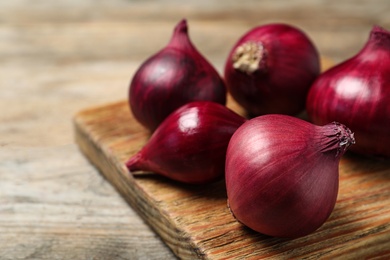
x,y
58,57
195,222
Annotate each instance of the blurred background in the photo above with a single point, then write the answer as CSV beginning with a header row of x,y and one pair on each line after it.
x,y
85,52
58,57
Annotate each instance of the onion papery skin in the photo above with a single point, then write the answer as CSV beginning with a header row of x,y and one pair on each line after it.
x,y
270,70
176,75
190,144
357,93
282,174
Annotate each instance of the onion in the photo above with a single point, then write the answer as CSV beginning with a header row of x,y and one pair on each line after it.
x,y
270,70
190,144
176,75
282,173
357,93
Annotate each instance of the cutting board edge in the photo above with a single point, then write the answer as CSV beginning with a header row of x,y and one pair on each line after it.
x,y
175,238
102,130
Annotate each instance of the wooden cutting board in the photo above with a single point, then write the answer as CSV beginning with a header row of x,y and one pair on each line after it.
x,y
195,222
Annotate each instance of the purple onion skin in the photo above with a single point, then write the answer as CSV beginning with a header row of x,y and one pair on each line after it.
x,y
282,174
286,68
190,144
357,93
176,75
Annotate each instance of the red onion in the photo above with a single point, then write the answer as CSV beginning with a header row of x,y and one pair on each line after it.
x,y
270,70
282,173
190,144
176,75
357,93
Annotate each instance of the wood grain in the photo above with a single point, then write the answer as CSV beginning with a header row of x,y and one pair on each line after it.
x,y
59,57
194,221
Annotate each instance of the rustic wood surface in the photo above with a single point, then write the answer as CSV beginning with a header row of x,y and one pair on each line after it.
x,y
58,57
195,221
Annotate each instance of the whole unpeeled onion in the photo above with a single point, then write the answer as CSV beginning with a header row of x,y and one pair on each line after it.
x,y
190,144
282,173
270,70
357,93
176,75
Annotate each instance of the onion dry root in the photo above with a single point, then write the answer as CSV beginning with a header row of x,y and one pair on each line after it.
x,y
271,68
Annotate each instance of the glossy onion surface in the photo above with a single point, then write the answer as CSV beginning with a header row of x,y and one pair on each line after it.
x,y
190,144
282,174
176,75
270,70
357,93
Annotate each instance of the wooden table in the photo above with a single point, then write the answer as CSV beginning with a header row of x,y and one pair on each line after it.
x,y
59,57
